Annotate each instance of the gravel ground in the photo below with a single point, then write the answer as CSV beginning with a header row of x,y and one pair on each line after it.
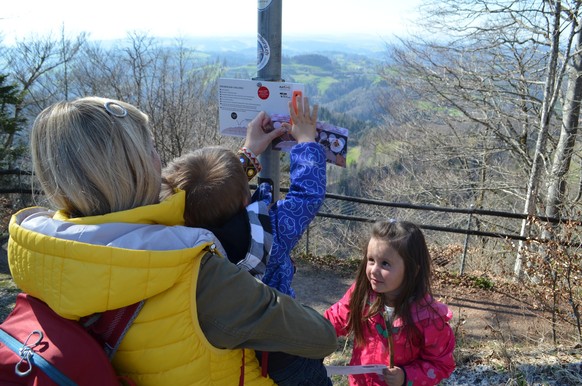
x,y
524,374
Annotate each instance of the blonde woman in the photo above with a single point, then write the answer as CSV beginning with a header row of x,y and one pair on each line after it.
x,y
110,243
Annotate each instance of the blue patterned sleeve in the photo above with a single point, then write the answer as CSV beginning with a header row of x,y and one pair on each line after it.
x,y
291,215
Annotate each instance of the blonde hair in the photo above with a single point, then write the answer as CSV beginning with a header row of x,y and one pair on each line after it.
x,y
215,183
94,156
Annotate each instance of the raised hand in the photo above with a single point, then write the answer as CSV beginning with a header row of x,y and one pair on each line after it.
x,y
303,128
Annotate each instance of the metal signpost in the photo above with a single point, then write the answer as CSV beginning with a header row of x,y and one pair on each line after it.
x,y
269,69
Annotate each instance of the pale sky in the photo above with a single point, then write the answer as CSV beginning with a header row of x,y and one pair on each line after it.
x,y
182,18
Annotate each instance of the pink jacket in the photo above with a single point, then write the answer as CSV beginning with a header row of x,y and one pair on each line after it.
x,y
426,364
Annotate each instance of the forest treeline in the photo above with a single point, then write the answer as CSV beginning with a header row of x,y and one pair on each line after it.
x,y
480,110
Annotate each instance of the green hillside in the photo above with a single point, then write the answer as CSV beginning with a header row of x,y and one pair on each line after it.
x,y
342,83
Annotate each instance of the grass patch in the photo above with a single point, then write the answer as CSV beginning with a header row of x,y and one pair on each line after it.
x,y
324,84
354,154
467,280
8,292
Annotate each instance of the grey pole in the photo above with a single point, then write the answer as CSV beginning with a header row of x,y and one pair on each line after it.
x,y
464,256
269,69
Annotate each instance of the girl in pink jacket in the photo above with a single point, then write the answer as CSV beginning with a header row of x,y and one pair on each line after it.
x,y
391,313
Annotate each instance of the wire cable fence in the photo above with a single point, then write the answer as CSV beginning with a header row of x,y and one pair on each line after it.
x,y
460,239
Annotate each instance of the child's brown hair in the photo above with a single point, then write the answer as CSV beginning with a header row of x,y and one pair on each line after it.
x,y
215,183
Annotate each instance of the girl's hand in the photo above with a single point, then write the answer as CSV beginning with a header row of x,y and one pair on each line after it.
x,y
393,376
260,133
303,129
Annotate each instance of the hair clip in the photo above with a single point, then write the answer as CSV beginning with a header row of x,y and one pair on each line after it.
x,y
115,109
391,220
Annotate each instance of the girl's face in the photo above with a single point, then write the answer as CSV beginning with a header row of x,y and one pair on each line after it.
x,y
385,269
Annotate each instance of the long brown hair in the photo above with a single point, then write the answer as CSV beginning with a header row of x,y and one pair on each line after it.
x,y
407,239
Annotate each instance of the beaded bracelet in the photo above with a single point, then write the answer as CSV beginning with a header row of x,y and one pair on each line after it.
x,y
254,159
249,162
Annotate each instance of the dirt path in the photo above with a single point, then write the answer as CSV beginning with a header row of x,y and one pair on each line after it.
x,y
477,312
318,288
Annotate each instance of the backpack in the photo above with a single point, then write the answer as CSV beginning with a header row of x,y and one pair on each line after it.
x,y
38,347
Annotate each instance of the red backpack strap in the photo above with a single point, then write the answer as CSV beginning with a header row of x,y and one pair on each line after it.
x,y
109,327
264,363
241,380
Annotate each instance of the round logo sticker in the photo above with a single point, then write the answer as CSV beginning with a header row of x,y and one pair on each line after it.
x,y
263,92
263,52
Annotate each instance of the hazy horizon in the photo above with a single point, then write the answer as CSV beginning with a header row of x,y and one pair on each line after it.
x,y
233,18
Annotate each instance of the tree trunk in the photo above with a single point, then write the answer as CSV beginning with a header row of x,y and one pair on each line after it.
x,y
549,100
568,133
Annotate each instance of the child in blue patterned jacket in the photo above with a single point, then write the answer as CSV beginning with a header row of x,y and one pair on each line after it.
x,y
255,233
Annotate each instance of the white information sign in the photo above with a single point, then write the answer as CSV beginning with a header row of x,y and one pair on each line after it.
x,y
240,100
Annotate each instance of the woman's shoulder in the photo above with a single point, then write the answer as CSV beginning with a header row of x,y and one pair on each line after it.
x,y
119,234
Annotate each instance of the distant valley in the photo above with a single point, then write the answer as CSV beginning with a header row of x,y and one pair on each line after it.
x,y
340,75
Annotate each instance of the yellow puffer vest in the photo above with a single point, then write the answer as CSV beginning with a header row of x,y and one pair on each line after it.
x,y
86,265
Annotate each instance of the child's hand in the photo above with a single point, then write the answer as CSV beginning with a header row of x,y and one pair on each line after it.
x,y
303,129
393,376
260,133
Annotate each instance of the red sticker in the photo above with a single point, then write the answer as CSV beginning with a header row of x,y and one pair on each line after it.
x,y
263,92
